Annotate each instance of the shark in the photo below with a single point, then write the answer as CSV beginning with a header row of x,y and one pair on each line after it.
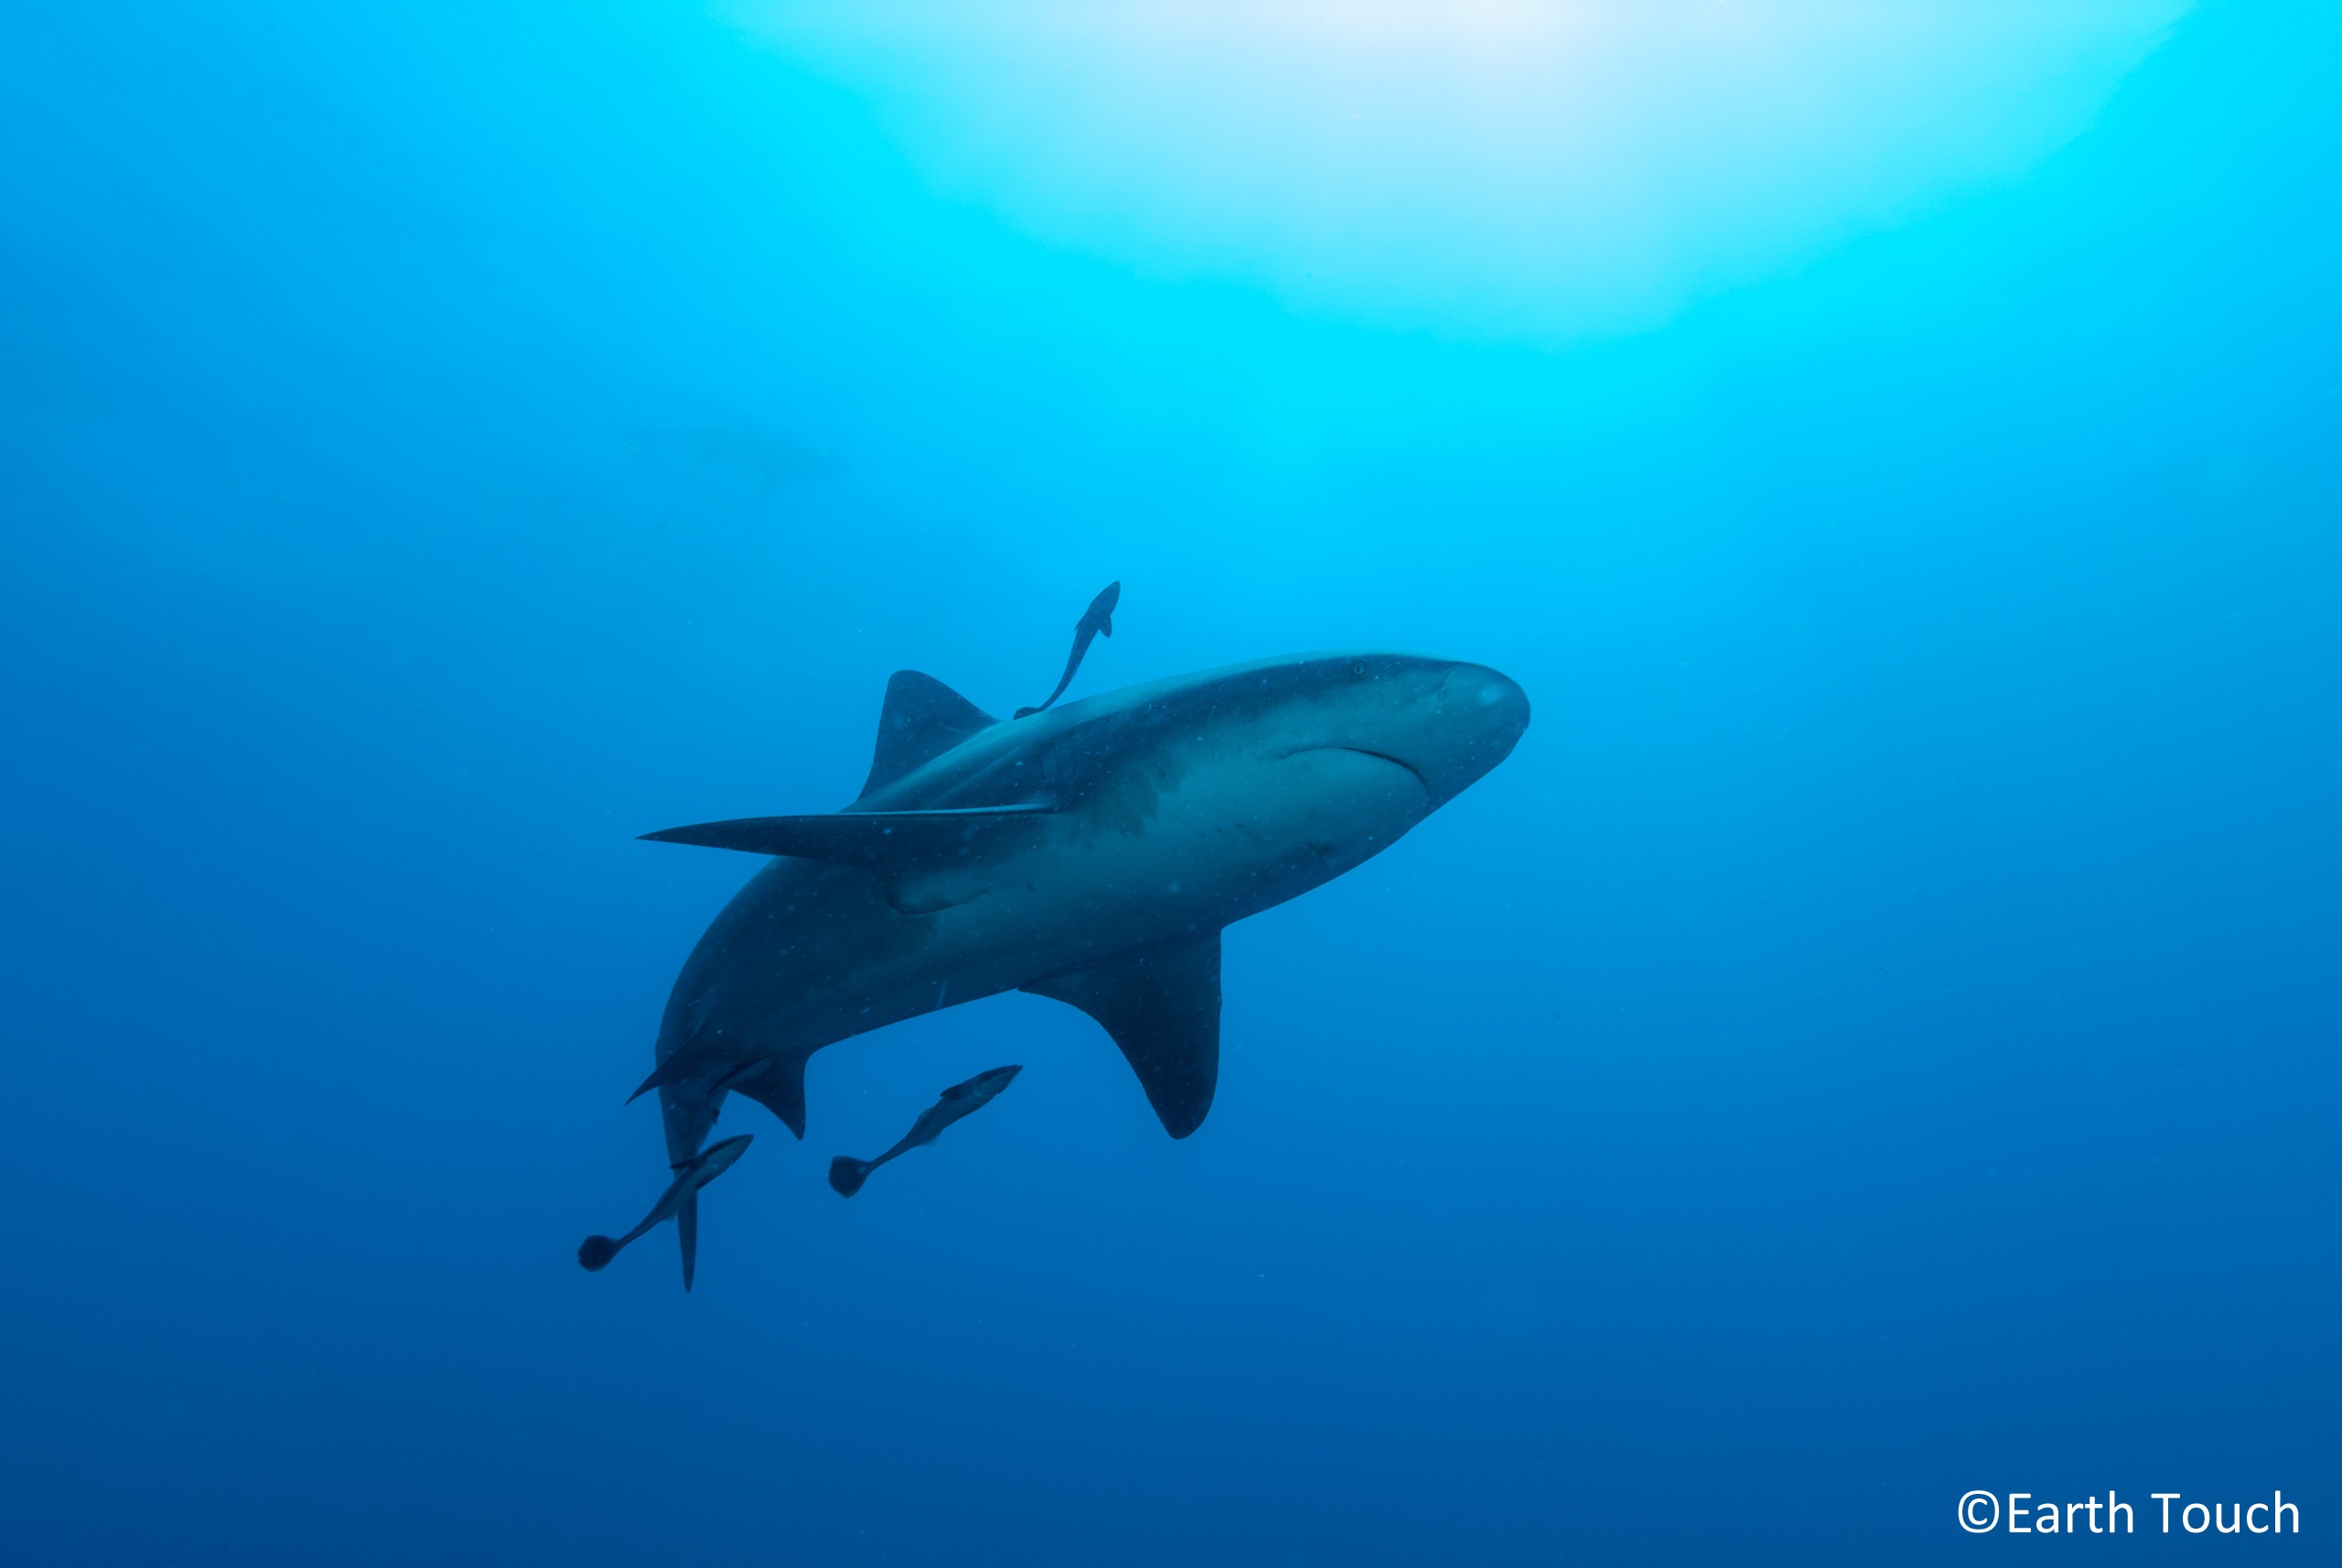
x,y
1091,853
962,1100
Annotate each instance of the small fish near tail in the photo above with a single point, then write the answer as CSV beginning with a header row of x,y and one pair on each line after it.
x,y
680,1203
962,1100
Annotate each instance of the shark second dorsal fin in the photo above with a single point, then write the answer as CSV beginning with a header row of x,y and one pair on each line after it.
x,y
1162,1005
922,719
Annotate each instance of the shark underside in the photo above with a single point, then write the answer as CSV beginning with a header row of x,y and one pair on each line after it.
x,y
1091,853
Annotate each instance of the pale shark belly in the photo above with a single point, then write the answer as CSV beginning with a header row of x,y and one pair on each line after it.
x,y
1218,844
1150,861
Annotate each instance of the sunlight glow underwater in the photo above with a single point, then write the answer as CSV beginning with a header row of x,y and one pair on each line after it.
x,y
1486,167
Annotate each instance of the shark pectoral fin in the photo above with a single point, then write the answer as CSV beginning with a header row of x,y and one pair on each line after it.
x,y
883,842
1162,1006
777,1085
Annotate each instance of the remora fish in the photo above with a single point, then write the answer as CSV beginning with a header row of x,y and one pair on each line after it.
x,y
681,1199
1096,621
847,1174
1091,854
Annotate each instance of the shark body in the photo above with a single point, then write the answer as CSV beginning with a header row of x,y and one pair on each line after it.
x,y
1092,853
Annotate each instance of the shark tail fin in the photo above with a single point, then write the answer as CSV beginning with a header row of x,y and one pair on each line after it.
x,y
687,1231
595,1253
847,1174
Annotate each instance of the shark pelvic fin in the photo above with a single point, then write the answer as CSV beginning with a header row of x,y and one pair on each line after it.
x,y
672,1070
921,719
695,1060
1162,1006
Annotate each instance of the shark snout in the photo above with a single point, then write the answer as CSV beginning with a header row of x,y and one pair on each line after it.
x,y
1477,716
1446,722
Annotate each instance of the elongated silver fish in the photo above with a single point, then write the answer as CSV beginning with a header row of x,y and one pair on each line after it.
x,y
680,1201
847,1174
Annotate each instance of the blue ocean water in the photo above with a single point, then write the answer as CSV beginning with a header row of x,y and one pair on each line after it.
x,y
1875,1038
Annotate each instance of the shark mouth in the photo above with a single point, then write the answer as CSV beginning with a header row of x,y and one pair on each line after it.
x,y
1399,762
1394,762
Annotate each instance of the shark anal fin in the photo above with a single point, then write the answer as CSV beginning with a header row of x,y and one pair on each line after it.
x,y
780,1087
1162,1006
883,842
922,718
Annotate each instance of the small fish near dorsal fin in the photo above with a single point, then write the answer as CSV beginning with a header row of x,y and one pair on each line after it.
x,y
1162,1006
1096,621
922,718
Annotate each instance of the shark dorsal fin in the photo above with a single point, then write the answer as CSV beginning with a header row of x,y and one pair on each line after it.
x,y
922,719
1162,1006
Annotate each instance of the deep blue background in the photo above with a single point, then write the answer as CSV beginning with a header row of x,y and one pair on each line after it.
x,y
1875,1038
